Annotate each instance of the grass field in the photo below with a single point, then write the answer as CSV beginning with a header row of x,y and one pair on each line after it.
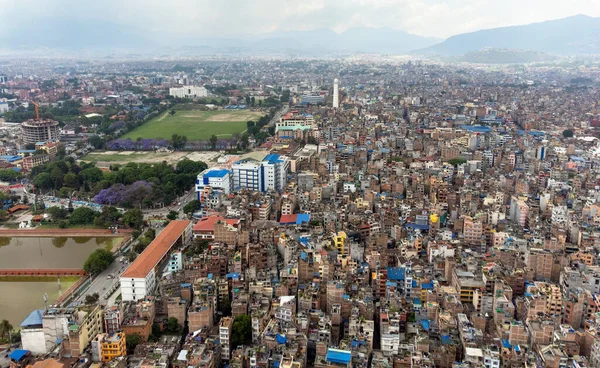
x,y
195,124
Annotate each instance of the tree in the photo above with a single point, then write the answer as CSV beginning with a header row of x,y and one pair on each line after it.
x,y
172,112
96,141
57,213
568,133
241,332
224,306
172,215
132,340
213,142
178,141
173,325
192,207
91,298
5,329
70,180
244,140
82,216
43,181
457,161
98,261
134,218
187,166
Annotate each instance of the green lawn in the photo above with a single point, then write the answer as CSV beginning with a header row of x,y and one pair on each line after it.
x,y
195,124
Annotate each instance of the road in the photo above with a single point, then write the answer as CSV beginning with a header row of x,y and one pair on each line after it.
x,y
277,115
101,284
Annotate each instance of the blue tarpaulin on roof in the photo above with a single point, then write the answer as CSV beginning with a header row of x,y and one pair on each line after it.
x,y
425,324
506,344
427,286
339,356
18,354
281,339
446,340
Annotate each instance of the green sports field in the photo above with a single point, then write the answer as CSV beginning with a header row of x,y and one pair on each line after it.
x,y
195,124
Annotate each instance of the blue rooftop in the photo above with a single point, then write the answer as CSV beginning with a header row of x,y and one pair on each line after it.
x,y
338,356
425,324
427,286
216,173
446,340
417,226
302,218
395,273
506,344
272,157
10,158
33,319
476,128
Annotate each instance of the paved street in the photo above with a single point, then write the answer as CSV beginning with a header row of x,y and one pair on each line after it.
x,y
101,284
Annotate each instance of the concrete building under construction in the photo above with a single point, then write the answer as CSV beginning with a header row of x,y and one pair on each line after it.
x,y
44,130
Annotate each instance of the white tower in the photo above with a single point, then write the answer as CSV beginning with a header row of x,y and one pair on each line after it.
x,y
336,93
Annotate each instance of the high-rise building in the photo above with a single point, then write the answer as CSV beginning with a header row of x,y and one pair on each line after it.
x,y
33,131
336,93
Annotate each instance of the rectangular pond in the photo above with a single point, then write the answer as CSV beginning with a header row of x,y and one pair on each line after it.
x,y
21,295
58,252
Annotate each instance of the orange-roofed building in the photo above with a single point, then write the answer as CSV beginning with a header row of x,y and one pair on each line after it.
x,y
140,278
205,228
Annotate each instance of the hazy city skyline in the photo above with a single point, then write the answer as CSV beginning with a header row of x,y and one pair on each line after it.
x,y
430,18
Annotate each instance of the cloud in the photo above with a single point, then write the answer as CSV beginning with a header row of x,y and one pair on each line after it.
x,y
438,18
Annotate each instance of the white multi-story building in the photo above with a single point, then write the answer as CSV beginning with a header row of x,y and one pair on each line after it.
x,y
269,174
559,214
247,174
217,179
293,119
274,172
188,91
140,278
225,328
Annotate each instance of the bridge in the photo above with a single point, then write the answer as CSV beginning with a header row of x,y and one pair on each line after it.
x,y
42,272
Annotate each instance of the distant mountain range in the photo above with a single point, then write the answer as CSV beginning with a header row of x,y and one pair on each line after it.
x,y
574,35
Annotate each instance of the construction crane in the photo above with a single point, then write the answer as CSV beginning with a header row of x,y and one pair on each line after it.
x,y
37,110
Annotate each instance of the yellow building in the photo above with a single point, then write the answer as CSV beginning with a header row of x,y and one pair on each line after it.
x,y
85,327
339,241
112,346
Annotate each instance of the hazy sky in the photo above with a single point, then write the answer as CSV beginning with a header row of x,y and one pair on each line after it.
x,y
438,18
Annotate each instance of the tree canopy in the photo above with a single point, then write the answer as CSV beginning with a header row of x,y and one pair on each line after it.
x,y
83,216
242,330
568,133
98,261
